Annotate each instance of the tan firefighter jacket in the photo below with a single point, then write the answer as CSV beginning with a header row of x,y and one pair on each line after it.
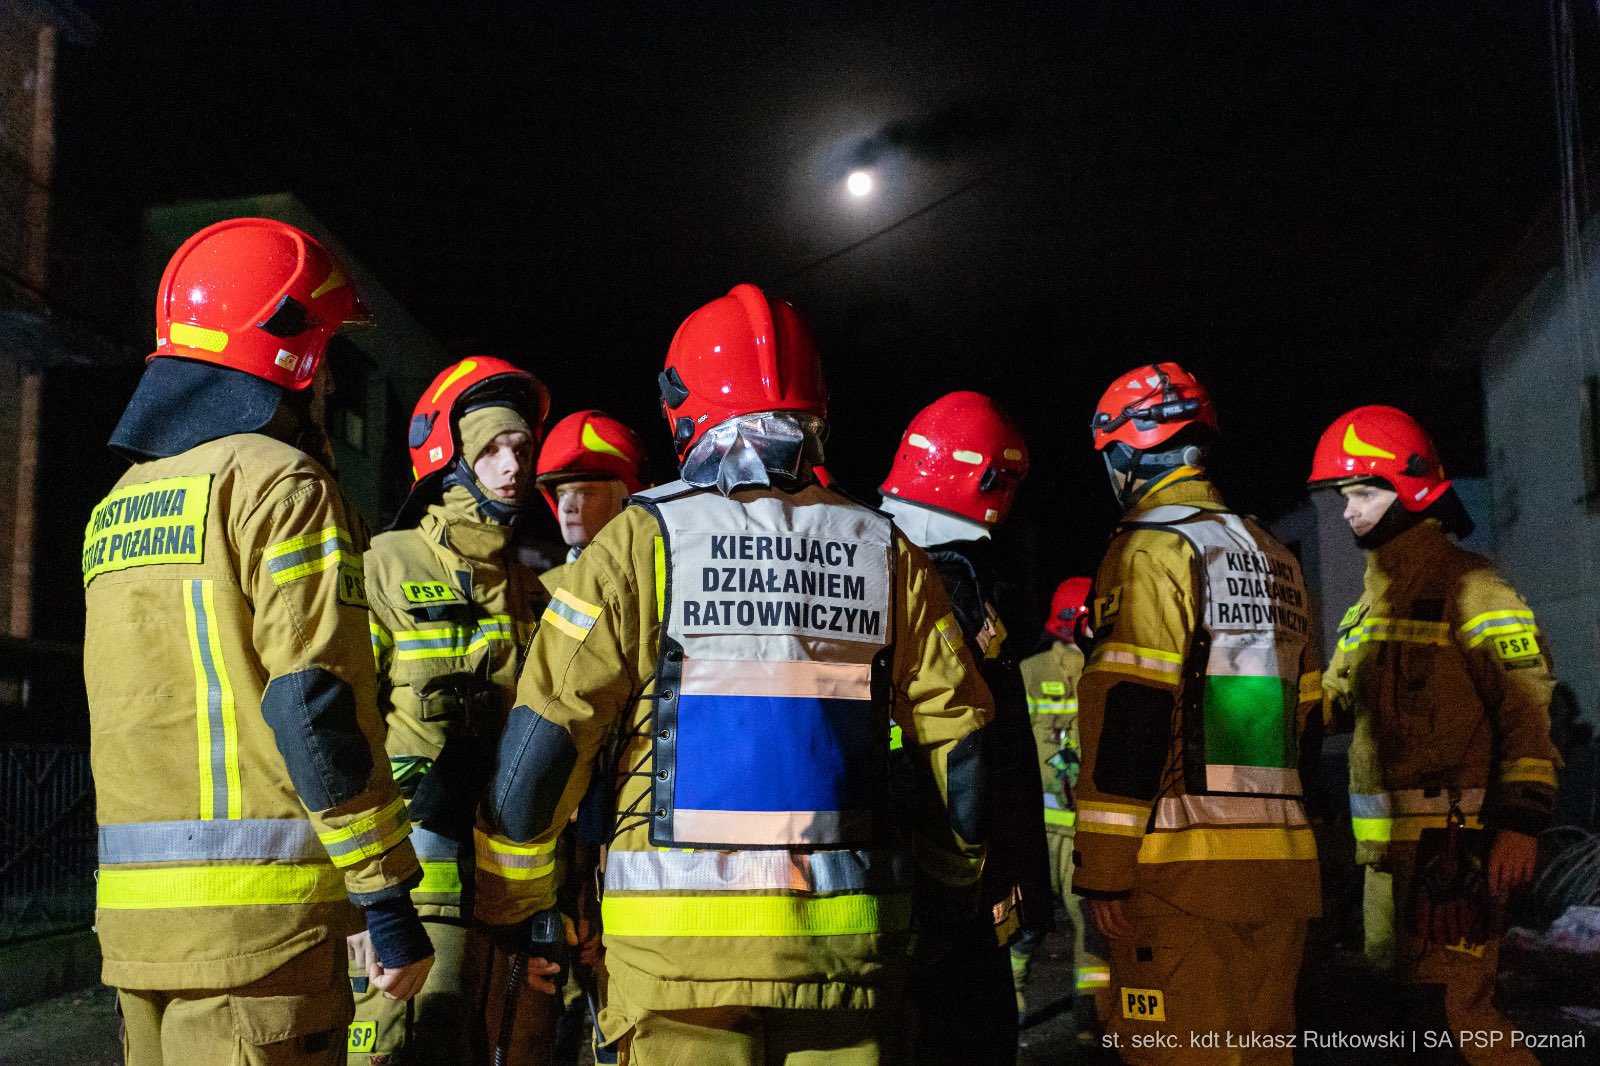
x,y
793,926
1443,674
1202,673
241,786
452,613
1051,681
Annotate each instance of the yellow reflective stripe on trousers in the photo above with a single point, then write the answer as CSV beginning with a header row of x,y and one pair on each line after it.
x,y
1066,819
1201,845
1093,977
369,836
217,886
440,879
215,720
725,915
311,554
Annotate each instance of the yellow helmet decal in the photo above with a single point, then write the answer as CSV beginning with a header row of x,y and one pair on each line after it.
x,y
1354,445
335,280
594,442
467,366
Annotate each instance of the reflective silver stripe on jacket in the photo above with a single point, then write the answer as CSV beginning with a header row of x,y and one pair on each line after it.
x,y
285,839
746,871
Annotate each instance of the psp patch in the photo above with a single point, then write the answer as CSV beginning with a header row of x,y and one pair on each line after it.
x,y
352,587
1143,1004
427,593
1522,645
363,1039
1106,607
150,524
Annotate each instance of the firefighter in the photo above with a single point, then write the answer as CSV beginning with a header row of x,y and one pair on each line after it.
x,y
1192,844
588,467
243,798
452,610
590,464
1443,674
1050,678
754,633
953,481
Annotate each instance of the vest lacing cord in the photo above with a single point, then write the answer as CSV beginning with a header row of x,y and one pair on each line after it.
x,y
644,728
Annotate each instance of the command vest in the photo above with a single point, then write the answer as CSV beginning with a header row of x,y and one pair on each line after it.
x,y
1241,681
771,686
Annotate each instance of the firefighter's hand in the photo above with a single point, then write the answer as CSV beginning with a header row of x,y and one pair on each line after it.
x,y
542,975
588,943
359,949
401,983
1511,861
1111,918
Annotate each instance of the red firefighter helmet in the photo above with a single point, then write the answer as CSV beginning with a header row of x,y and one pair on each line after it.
x,y
1145,408
1382,443
255,295
962,454
476,381
1069,609
590,444
740,354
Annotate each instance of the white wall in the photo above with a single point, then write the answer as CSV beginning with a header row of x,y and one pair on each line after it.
x,y
1545,539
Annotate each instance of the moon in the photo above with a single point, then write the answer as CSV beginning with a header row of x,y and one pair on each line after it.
x,y
859,183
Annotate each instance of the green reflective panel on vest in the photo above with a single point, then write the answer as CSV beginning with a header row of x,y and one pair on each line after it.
x,y
1247,722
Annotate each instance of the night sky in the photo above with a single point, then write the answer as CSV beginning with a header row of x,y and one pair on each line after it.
x,y
1296,204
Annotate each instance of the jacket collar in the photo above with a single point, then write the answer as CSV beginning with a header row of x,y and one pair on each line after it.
x,y
1186,486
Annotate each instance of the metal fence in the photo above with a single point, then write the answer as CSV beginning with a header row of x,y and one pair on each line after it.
x,y
47,839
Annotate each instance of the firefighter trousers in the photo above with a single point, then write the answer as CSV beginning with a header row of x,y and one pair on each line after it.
x,y
433,1027
759,1036
1198,982
294,1016
1448,989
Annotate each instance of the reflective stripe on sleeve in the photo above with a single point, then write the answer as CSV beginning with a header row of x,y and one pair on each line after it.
x,y
513,862
217,886
1042,705
949,631
1481,627
311,554
283,839
1116,819
1163,668
1537,771
369,836
570,614
451,640
847,915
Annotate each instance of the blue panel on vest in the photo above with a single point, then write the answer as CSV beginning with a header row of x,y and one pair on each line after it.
x,y
774,753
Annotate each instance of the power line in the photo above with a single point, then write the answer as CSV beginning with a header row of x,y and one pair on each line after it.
x,y
837,253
